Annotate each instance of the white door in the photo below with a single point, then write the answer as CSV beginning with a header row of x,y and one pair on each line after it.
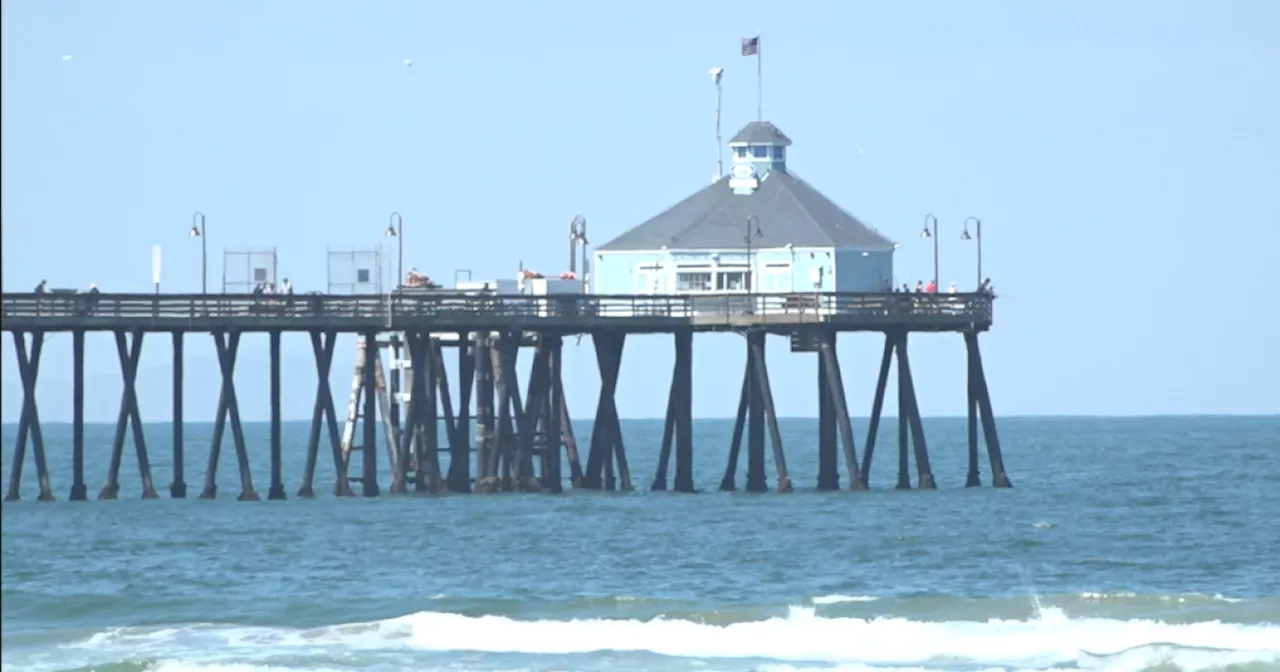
x,y
644,281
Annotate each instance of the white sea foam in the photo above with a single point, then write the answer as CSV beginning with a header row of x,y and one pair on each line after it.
x,y
801,640
841,599
803,637
179,666
1216,597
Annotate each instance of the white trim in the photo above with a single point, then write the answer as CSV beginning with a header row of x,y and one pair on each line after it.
x,y
739,250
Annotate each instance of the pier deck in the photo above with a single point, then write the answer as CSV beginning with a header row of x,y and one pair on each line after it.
x,y
515,439
454,311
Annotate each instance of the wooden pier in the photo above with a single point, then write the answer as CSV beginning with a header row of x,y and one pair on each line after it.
x,y
522,437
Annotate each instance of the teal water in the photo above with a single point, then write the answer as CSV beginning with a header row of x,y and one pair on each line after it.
x,y
1128,544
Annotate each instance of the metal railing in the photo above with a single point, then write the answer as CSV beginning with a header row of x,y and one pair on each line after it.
x,y
448,306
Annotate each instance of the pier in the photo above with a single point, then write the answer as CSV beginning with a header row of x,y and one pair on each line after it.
x,y
523,438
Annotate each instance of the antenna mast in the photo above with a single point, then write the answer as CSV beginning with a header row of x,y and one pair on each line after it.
x,y
716,73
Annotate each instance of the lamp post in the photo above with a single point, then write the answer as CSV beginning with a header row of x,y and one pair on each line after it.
x,y
964,235
926,233
578,240
197,231
395,229
751,276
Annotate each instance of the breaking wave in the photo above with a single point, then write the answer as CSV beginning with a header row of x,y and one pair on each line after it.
x,y
799,640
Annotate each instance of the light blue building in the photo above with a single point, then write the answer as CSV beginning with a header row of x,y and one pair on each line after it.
x,y
760,229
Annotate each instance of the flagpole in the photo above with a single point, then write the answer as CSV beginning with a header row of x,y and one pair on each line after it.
x,y
759,79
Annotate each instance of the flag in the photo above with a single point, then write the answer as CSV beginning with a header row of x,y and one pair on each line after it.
x,y
751,46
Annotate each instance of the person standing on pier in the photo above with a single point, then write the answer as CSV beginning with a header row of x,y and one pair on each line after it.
x,y
39,291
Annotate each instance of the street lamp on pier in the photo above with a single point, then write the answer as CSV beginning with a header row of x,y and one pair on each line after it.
x,y
926,233
197,231
752,233
395,229
964,235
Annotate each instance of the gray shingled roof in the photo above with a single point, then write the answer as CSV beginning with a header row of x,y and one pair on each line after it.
x,y
760,133
790,211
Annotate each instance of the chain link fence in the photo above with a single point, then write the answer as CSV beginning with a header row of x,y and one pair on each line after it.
x,y
355,271
245,269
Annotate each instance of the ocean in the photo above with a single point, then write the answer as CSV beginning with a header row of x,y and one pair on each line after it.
x,y
1127,544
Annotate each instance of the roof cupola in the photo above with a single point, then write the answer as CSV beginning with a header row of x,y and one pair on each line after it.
x,y
758,149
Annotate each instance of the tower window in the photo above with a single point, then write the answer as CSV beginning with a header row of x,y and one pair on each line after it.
x,y
740,152
780,153
760,151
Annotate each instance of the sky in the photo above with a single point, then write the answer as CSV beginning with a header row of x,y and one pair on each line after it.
x,y
1124,159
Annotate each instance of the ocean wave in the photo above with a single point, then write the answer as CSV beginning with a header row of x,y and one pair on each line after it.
x,y
800,640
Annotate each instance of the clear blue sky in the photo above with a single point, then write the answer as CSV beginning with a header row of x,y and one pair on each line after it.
x,y
1124,158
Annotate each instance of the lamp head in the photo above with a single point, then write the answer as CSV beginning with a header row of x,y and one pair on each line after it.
x,y
926,233
194,232
391,231
716,74
964,235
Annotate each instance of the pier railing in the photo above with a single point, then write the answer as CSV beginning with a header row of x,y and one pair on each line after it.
x,y
446,311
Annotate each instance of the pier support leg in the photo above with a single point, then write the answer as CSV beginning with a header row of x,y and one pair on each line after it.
x,y
228,345
421,429
668,436
397,351
322,344
527,421
840,410
486,448
390,429
460,446
29,423
904,421
276,491
546,442
405,446
570,440
494,474
999,478
679,418
606,435
453,429
683,384
755,421
554,481
973,478
129,351
729,482
828,464
79,491
369,459
924,472
178,487
428,477
409,453
775,436
877,406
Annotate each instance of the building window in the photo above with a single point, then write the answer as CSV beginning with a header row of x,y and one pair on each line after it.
x,y
779,153
259,275
732,281
693,281
740,152
776,277
362,275
760,151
